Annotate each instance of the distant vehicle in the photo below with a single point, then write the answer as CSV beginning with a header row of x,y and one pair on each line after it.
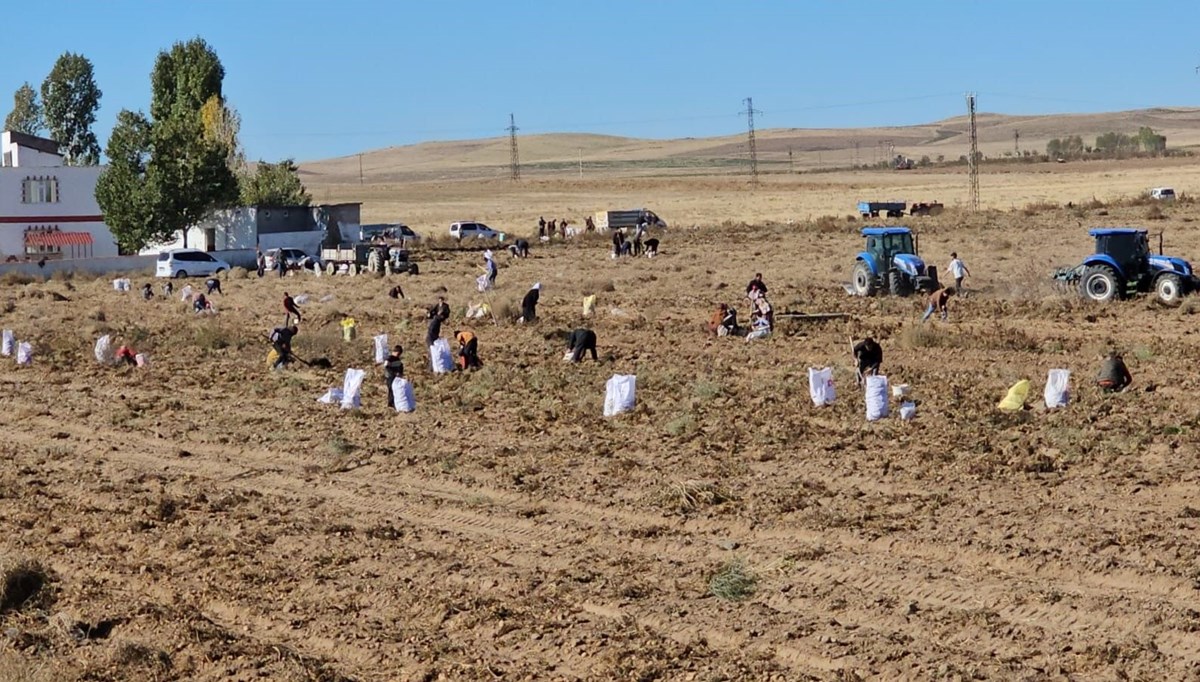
x,y
926,208
890,264
902,162
387,232
872,209
1123,265
617,220
355,258
469,229
292,258
188,263
1162,194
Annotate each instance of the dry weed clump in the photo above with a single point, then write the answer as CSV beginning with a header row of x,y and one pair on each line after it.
x,y
239,273
828,224
23,583
689,496
1037,207
1155,212
733,582
598,286
17,278
134,655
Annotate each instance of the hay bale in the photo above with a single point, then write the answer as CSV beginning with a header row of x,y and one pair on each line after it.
x,y
23,582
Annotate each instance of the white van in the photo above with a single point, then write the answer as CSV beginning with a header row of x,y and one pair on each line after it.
x,y
469,229
188,263
1162,194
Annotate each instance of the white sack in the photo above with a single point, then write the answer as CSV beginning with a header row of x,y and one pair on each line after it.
x,y
9,344
1058,384
620,394
440,358
877,397
908,410
820,386
483,283
121,284
104,350
381,349
142,360
24,354
402,391
351,387
332,396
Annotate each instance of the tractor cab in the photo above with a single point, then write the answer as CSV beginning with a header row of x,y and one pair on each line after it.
x,y
890,262
1125,248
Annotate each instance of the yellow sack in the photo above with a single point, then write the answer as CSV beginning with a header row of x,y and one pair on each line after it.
x,y
589,302
349,329
1015,400
272,357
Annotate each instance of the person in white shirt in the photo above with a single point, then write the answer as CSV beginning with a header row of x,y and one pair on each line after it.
x,y
958,270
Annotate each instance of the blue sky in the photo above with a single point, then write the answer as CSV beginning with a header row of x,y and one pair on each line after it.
x,y
314,79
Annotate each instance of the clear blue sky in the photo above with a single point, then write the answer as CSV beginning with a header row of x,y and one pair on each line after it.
x,y
320,78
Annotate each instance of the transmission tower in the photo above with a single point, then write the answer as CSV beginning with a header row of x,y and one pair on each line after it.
x,y
749,112
514,158
972,156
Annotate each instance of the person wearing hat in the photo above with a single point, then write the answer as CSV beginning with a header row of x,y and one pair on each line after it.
x,y
393,369
489,265
529,303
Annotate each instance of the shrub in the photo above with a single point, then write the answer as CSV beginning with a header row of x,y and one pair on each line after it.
x,y
239,273
1155,212
1035,207
16,278
733,582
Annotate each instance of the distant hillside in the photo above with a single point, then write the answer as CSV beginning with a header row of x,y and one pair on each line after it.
x,y
560,153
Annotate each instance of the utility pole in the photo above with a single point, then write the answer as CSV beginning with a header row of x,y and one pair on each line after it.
x,y
856,153
514,160
972,156
1016,143
360,173
581,163
791,164
749,112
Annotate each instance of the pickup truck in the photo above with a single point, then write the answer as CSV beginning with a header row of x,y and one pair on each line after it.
x,y
617,220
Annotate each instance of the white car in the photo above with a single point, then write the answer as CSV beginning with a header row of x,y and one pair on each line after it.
x,y
188,263
1162,194
472,230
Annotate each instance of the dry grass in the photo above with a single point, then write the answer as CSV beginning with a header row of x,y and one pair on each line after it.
x,y
25,583
733,582
690,496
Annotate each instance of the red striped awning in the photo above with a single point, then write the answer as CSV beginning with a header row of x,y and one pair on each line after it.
x,y
58,239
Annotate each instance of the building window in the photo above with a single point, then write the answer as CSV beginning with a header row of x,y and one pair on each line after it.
x,y
7,159
39,190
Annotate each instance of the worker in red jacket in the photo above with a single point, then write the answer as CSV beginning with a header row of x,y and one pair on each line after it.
x,y
290,307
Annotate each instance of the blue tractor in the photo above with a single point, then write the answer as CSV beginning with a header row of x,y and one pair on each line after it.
x,y
890,264
1123,265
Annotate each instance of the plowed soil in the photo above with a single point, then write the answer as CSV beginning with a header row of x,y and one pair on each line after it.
x,y
206,519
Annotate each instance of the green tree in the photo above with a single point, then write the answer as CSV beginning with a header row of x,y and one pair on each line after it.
x,y
222,124
184,78
26,115
274,184
70,98
1150,141
187,174
1054,148
124,195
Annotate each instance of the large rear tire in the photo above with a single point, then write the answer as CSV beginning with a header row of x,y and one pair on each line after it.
x,y
1100,283
864,281
1169,289
898,284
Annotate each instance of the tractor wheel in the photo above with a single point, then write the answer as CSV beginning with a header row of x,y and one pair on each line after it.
x,y
1169,289
1100,283
864,281
898,284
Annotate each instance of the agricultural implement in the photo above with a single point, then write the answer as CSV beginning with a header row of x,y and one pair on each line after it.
x,y
890,264
872,209
1123,266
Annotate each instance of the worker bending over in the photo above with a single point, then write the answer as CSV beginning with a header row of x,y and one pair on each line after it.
x,y
393,369
868,357
281,341
468,350
582,341
1114,376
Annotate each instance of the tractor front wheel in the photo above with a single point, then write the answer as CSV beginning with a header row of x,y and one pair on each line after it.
x,y
864,281
1100,283
898,284
1169,289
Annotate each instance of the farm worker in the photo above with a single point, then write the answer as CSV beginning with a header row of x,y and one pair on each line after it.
x,y
396,292
762,316
541,227
468,350
618,238
638,235
281,341
651,248
1114,375
289,306
562,228
869,356
125,354
280,265
756,287
589,224
440,310
937,303
529,303
718,316
581,341
260,262
489,266
958,270
213,284
147,291
520,249
552,228
393,369
200,303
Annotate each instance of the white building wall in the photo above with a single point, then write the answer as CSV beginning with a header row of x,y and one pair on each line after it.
x,y
75,210
25,156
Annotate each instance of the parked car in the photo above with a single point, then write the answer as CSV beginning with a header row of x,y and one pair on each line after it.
x,y
472,230
292,258
1162,194
406,233
188,263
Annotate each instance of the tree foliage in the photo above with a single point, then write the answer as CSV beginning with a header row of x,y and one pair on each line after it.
x,y
187,174
124,195
274,184
70,98
1070,147
222,125
184,78
26,115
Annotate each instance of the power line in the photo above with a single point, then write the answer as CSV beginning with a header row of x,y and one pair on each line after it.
x,y
750,111
973,157
514,158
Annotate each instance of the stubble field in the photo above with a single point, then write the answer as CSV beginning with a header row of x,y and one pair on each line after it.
x,y
205,519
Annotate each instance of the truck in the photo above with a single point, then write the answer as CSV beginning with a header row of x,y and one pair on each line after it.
x,y
617,220
355,258
872,209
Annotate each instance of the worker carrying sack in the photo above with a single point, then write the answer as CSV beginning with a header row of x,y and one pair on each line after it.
x,y
820,385
402,391
103,350
877,397
9,343
620,394
351,387
24,354
1058,388
1014,401
439,357
381,349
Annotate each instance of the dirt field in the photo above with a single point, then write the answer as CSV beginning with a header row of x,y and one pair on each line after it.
x,y
205,519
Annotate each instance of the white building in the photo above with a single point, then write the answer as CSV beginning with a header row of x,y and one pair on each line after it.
x,y
266,227
48,210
